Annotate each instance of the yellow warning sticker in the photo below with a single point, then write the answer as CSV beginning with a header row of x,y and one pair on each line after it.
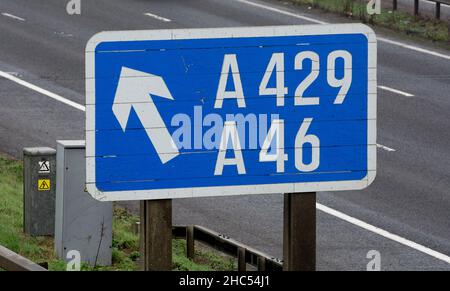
x,y
44,185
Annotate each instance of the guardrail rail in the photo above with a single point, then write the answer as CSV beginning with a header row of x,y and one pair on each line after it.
x,y
10,261
438,4
245,254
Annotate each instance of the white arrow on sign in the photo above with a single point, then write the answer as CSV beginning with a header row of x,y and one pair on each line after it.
x,y
134,90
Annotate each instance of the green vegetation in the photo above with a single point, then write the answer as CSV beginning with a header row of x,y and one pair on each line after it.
x,y
204,260
36,249
125,243
126,249
397,20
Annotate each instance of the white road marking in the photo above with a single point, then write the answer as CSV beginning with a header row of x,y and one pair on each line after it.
x,y
395,91
384,233
157,17
380,146
15,74
273,9
63,34
430,2
414,48
42,91
13,16
313,20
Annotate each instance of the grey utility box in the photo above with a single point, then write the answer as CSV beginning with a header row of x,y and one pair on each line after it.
x,y
82,223
39,188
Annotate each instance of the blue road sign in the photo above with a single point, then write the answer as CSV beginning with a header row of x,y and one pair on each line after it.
x,y
231,111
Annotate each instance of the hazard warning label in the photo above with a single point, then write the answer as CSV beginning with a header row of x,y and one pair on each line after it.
x,y
44,185
44,167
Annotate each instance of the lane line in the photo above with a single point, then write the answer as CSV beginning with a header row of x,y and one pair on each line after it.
x,y
380,146
395,91
157,17
414,48
313,20
63,34
13,16
15,74
273,9
406,242
433,3
42,91
319,206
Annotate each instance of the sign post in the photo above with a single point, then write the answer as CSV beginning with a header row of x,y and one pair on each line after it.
x,y
156,235
231,111
299,233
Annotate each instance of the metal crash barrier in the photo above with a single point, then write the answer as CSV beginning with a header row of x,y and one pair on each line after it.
x,y
10,261
245,254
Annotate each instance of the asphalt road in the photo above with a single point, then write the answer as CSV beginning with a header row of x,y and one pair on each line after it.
x,y
410,196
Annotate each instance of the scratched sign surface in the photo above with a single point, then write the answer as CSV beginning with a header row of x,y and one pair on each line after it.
x,y
208,112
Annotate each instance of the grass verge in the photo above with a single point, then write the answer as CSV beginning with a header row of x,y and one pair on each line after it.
x,y
125,253
406,23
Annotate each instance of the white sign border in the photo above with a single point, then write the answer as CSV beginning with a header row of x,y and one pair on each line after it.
x,y
267,31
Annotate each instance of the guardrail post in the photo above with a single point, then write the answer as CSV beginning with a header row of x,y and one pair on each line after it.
x,y
416,7
136,227
156,235
299,237
242,264
438,10
261,262
190,242
394,5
